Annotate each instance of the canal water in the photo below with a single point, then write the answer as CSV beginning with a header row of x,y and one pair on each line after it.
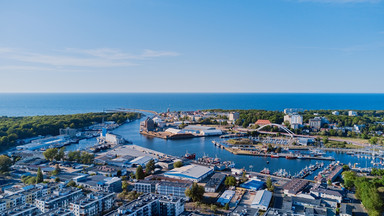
x,y
204,146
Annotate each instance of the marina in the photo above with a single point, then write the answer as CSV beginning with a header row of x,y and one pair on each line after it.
x,y
203,146
256,152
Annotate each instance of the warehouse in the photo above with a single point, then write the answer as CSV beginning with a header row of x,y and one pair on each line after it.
x,y
193,173
262,200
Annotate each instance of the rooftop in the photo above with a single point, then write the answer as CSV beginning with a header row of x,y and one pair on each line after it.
x,y
189,171
263,197
295,185
215,180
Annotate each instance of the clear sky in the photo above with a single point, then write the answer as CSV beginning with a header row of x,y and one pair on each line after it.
x,y
192,46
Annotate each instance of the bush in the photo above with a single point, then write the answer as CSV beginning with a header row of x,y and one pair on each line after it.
x,y
178,164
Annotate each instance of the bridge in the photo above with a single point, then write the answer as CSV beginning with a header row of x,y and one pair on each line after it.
x,y
132,110
289,132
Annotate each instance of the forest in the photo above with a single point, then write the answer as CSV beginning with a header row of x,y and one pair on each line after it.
x,y
13,129
368,190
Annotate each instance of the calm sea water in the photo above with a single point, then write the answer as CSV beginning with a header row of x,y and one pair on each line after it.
x,y
48,104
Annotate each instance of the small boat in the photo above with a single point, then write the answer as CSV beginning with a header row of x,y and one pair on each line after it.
x,y
275,156
290,157
267,162
265,171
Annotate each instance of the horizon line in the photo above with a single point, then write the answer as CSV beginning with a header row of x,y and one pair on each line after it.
x,y
191,92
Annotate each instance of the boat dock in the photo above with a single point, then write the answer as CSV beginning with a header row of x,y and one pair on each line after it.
x,y
238,151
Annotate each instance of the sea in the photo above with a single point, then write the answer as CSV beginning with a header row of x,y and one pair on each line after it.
x,y
28,104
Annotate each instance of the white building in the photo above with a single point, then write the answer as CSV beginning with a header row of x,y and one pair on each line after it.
x,y
233,116
174,131
294,119
142,160
352,113
335,113
262,200
193,173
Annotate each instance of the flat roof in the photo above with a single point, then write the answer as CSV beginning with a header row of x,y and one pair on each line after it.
x,y
190,171
141,160
226,196
263,197
215,180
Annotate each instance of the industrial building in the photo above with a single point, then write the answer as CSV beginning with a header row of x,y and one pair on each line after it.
x,y
214,182
202,130
295,186
262,200
191,172
253,184
226,197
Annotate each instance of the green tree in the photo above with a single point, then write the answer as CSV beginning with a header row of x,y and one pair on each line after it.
x,y
39,176
373,140
87,158
57,170
28,180
5,163
50,154
269,184
74,156
325,140
149,167
230,181
139,173
60,154
226,207
195,192
71,184
349,178
346,167
57,179
124,185
178,164
213,208
329,182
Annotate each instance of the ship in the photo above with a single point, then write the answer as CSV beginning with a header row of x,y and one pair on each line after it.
x,y
190,156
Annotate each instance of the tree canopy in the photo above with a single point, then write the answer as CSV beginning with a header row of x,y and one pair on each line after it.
x,y
366,191
14,129
230,181
5,163
139,173
195,192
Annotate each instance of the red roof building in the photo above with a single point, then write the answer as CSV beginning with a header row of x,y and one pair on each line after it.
x,y
261,122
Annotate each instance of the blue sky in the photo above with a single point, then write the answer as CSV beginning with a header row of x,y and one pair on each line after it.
x,y
192,46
